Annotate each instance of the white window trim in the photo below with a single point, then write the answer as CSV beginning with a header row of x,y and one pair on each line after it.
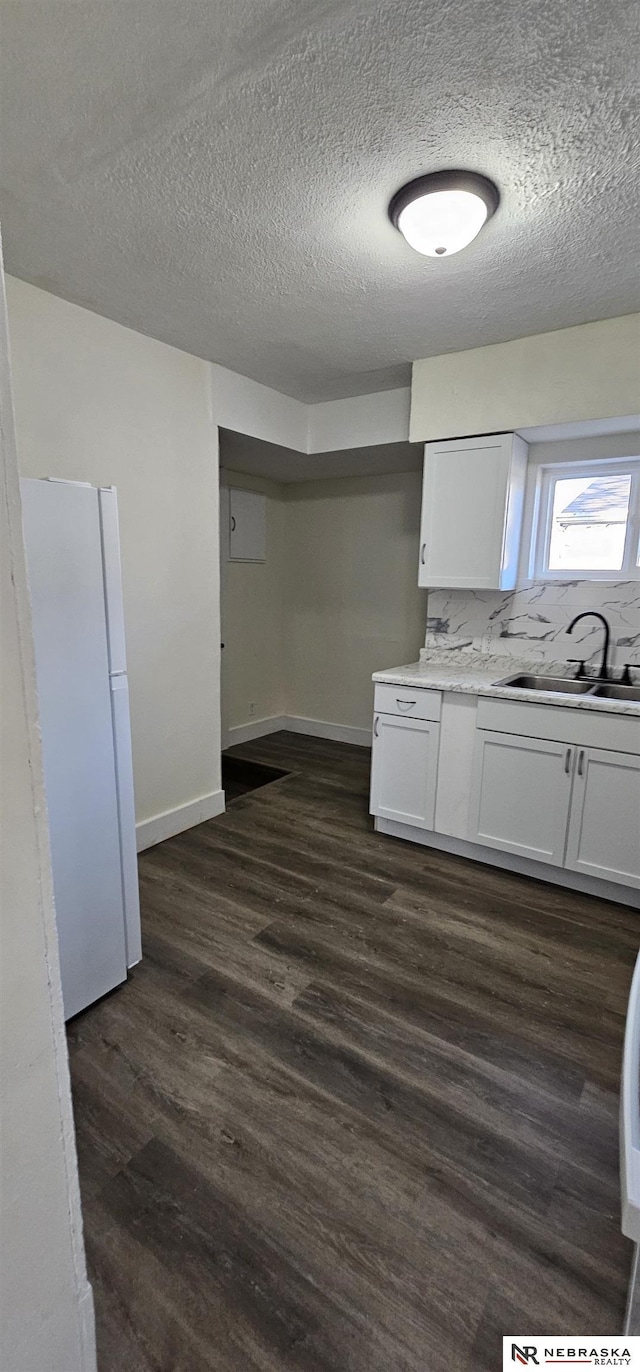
x,y
539,523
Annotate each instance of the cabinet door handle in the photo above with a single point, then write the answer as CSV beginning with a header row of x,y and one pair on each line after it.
x,y
422,553
375,727
405,704
233,523
581,762
567,760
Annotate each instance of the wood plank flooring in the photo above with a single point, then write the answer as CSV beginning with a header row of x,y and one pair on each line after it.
x,y
356,1111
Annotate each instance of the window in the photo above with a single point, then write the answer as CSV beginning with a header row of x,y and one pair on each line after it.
x,y
587,522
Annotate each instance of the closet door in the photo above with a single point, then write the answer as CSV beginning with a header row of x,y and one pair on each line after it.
x,y
247,526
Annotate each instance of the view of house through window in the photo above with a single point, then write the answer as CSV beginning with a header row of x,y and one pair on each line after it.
x,y
589,520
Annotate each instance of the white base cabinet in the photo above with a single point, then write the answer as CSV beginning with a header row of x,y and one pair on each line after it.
x,y
521,792
567,806
404,769
518,777
604,829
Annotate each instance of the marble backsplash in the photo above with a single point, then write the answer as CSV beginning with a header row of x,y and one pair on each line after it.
x,y
532,621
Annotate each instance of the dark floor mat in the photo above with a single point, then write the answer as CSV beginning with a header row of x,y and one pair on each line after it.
x,y
240,775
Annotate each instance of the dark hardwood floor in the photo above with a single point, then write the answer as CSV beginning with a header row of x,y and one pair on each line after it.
x,y
356,1111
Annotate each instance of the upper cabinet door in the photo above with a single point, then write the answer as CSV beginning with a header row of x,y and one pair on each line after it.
x,y
247,526
472,502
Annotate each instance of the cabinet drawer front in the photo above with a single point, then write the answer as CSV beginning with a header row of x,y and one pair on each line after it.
x,y
565,724
409,701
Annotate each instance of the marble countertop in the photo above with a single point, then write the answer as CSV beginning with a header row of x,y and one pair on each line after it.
x,y
478,674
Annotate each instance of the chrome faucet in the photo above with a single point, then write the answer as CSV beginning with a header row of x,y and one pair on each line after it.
x,y
603,674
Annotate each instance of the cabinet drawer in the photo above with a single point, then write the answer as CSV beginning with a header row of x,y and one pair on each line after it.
x,y
591,728
407,700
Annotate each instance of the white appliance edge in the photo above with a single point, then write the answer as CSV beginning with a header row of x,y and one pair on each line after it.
x,y
108,501
630,1145
72,547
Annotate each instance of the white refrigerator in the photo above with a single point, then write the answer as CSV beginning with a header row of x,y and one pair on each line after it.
x,y
73,562
630,1147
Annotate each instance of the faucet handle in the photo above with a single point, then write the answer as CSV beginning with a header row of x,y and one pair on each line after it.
x,y
582,670
626,678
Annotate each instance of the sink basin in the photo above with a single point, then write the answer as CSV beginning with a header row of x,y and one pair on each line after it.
x,y
568,685
606,690
614,691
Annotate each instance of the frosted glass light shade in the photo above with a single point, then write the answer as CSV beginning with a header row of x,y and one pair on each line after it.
x,y
441,213
442,223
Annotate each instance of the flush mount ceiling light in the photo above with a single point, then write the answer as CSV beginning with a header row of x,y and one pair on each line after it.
x,y
442,212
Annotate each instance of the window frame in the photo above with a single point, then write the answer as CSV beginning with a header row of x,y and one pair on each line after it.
x,y
547,475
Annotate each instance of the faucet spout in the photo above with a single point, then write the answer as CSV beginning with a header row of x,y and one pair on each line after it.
x,y
603,674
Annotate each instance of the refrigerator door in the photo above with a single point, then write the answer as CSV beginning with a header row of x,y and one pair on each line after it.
x,y
108,503
630,1146
126,816
64,559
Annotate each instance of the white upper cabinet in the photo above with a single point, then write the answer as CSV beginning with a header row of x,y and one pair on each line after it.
x,y
247,526
472,503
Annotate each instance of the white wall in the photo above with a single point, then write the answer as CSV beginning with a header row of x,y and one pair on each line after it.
x,y
97,402
247,407
586,372
352,603
251,408
46,1302
253,671
360,421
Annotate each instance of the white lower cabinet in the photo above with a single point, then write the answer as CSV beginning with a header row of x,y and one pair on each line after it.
x,y
553,785
604,828
404,769
521,793
564,805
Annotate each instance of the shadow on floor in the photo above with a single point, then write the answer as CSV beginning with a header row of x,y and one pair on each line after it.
x,y
240,775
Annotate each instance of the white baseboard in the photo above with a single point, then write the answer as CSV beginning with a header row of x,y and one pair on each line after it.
x,y
298,724
256,728
320,728
170,822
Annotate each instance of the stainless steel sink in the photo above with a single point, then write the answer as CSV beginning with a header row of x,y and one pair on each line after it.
x,y
615,691
606,690
568,685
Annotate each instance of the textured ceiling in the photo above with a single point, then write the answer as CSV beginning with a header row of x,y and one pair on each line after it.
x,y
216,172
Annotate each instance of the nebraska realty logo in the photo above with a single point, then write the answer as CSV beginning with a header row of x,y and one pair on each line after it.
x,y
524,1351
